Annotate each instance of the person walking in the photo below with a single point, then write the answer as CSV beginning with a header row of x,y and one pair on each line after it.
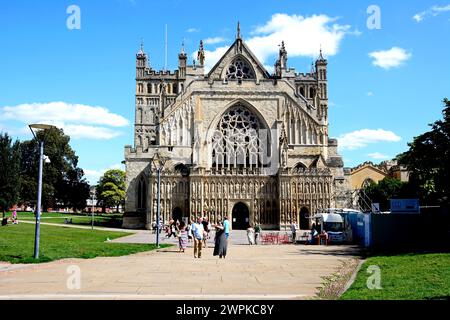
x,y
251,235
220,241
257,233
206,230
226,225
197,232
170,231
182,237
294,231
314,234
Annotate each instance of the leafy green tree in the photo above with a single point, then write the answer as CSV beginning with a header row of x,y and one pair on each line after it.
x,y
385,190
111,188
9,172
63,181
428,161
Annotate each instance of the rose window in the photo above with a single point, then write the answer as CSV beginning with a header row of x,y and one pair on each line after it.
x,y
239,70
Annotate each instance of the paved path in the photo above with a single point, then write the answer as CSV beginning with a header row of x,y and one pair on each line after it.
x,y
248,272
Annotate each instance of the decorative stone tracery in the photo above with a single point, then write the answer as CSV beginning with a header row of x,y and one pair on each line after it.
x,y
240,69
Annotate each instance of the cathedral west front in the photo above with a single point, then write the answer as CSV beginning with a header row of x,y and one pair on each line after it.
x,y
237,140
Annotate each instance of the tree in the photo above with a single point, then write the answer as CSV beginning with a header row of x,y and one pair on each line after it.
x,y
9,172
428,161
385,190
111,188
63,181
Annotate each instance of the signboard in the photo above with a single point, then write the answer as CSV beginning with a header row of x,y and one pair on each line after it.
x,y
376,207
405,206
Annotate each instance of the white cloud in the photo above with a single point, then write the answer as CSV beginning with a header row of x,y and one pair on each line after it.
x,y
191,30
89,132
431,12
214,40
370,94
77,120
62,111
378,156
303,37
94,175
391,58
418,17
361,138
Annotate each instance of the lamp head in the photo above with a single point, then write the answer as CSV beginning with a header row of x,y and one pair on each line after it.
x,y
158,161
38,127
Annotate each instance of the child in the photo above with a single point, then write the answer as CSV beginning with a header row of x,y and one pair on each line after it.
x,y
189,232
14,217
183,237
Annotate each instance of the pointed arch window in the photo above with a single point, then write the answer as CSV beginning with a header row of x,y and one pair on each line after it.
x,y
142,194
238,141
240,69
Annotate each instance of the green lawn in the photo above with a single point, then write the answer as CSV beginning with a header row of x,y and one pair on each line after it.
x,y
113,220
405,276
17,243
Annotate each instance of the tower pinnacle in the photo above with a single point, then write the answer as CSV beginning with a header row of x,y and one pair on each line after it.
x,y
201,54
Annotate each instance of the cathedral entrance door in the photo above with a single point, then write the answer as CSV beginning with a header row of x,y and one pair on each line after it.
x,y
304,219
241,216
177,214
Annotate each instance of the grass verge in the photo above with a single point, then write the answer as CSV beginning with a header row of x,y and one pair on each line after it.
x,y
412,276
334,285
17,244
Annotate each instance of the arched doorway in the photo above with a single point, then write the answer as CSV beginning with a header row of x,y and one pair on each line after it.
x,y
177,214
304,219
241,216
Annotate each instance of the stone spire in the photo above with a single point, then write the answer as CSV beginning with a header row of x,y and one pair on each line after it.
x,y
238,32
182,61
201,54
141,49
321,58
141,60
283,56
182,51
182,47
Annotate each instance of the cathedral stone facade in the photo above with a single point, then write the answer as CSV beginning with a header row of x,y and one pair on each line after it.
x,y
238,141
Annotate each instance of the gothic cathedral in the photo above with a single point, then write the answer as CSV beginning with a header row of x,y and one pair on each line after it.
x,y
237,141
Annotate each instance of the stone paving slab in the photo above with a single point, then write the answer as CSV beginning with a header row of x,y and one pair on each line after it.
x,y
248,272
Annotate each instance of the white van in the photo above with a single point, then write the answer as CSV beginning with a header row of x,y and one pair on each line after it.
x,y
333,224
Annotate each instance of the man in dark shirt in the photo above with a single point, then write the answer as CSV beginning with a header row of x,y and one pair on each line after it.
x,y
205,223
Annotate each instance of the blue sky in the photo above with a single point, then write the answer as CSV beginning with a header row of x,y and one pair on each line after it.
x,y
385,85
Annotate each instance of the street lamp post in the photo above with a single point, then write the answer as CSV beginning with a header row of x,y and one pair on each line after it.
x,y
39,197
158,162
93,207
